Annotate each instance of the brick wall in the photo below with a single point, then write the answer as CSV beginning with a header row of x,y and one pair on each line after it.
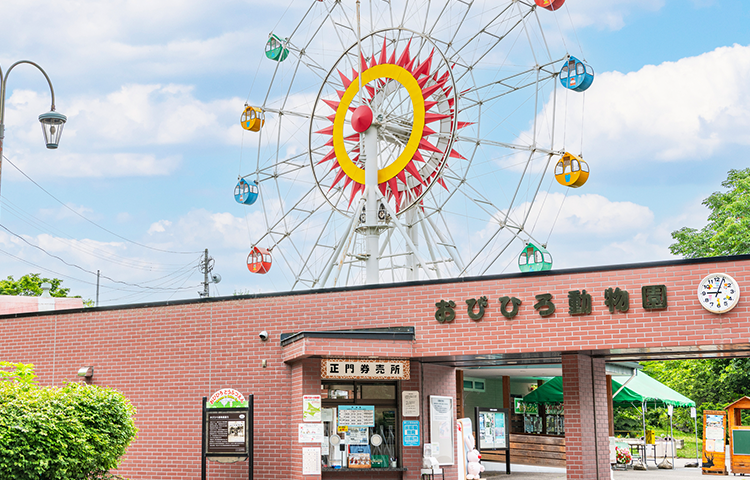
x,y
165,357
586,417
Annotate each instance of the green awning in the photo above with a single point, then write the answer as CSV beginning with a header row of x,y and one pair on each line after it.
x,y
641,388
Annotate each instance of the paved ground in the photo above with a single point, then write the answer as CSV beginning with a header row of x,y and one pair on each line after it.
x,y
496,471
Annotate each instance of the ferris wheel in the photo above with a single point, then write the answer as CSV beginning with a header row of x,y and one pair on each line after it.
x,y
407,140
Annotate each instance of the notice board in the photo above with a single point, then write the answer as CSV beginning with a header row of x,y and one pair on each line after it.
x,y
714,435
441,428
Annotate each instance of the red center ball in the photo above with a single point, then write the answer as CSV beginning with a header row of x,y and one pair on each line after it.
x,y
362,118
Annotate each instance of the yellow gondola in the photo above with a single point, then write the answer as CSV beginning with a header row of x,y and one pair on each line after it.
x,y
571,171
252,118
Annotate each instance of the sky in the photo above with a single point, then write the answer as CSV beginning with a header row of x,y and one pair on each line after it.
x,y
142,181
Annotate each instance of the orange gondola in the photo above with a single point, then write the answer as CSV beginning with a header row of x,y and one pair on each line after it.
x,y
252,118
571,171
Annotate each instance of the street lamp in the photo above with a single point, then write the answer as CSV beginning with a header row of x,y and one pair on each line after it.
x,y
52,122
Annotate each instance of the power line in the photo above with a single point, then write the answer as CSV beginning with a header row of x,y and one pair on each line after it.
x,y
87,282
92,222
73,243
78,266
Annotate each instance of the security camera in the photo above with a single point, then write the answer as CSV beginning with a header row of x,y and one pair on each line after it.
x,y
263,335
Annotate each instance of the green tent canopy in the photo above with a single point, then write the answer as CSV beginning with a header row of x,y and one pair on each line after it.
x,y
638,390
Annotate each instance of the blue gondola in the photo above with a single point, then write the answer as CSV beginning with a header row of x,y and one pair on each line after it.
x,y
245,192
576,75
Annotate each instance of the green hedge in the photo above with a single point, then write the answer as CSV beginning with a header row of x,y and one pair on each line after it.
x,y
75,432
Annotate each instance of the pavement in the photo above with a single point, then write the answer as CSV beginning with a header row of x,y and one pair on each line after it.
x,y
496,470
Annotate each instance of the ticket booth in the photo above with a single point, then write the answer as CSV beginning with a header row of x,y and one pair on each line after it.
x,y
739,436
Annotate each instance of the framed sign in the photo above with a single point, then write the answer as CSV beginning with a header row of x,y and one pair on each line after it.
x,y
364,369
493,428
442,426
227,431
410,403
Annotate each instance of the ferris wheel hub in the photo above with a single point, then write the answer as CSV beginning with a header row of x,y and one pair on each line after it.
x,y
362,118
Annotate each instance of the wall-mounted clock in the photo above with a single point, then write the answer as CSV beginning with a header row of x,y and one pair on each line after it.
x,y
718,293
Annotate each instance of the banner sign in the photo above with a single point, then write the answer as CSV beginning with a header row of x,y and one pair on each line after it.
x,y
227,398
364,369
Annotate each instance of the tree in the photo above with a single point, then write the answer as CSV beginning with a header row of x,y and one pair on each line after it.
x,y
30,285
728,229
76,432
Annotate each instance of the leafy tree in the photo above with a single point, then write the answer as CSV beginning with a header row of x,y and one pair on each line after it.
x,y
728,229
76,432
30,285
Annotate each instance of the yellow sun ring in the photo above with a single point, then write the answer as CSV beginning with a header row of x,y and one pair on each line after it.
x,y
407,80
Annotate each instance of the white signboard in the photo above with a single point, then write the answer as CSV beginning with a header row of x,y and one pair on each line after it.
x,y
310,433
442,426
410,403
311,461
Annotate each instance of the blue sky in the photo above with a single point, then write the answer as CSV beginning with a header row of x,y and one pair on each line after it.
x,y
143,179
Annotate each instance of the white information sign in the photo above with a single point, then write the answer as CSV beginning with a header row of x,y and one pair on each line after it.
x,y
442,426
311,461
410,403
357,415
310,433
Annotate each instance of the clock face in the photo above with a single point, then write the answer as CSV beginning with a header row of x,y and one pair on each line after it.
x,y
718,293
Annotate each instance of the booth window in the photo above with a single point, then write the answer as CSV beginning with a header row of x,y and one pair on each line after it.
x,y
383,397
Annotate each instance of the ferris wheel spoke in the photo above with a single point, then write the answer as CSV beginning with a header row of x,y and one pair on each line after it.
x,y
508,86
484,30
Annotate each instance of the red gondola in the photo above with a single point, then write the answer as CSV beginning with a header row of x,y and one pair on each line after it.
x,y
259,260
550,4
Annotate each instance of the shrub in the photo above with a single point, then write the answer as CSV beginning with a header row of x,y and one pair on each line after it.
x,y
74,432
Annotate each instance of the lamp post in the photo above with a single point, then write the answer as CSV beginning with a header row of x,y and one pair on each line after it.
x,y
52,122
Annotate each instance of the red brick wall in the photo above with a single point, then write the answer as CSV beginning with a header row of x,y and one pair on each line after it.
x,y
586,417
166,357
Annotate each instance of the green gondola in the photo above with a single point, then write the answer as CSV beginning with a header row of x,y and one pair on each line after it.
x,y
534,259
275,49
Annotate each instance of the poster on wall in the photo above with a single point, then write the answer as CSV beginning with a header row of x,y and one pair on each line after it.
x,y
311,406
442,427
410,429
410,403
310,433
311,461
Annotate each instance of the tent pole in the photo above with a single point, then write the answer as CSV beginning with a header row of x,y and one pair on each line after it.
x,y
695,422
645,457
671,436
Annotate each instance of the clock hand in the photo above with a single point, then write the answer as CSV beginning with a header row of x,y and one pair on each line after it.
x,y
718,288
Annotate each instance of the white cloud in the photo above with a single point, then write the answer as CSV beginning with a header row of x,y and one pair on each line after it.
x,y
590,214
610,15
684,110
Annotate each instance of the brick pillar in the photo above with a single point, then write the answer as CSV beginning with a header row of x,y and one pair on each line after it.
x,y
586,417
305,381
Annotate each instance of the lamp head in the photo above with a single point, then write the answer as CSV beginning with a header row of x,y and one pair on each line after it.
x,y
52,127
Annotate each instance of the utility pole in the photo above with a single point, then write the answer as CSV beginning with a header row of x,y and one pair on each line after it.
x,y
206,265
97,288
